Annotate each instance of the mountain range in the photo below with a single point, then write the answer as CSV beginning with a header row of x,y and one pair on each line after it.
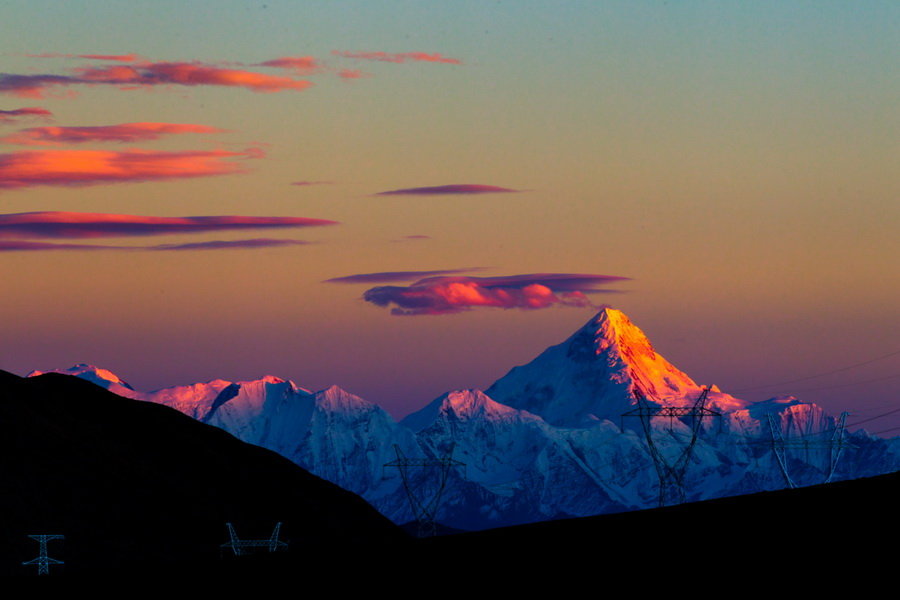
x,y
548,440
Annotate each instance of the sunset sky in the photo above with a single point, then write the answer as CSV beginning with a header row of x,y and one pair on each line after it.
x,y
404,198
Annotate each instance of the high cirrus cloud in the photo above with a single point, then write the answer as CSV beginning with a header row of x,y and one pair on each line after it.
x,y
8,116
31,246
75,168
452,189
72,225
124,133
447,295
399,57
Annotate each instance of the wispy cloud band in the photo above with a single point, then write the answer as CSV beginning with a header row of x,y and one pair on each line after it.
x,y
72,225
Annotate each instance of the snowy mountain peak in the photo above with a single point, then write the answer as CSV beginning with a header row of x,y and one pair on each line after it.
x,y
595,374
337,399
96,375
463,405
469,403
92,373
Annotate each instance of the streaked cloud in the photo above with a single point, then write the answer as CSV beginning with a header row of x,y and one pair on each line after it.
x,y
112,57
310,183
448,295
33,86
353,74
76,168
230,244
399,57
32,112
124,133
305,65
31,246
188,74
456,188
73,225
146,74
395,276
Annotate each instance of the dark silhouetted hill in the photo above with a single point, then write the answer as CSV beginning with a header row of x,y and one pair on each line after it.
x,y
139,486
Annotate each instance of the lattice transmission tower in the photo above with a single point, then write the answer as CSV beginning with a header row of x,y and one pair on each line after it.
x,y
43,561
671,472
425,510
780,445
240,547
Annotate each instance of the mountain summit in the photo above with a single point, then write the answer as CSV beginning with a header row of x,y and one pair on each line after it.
x,y
595,373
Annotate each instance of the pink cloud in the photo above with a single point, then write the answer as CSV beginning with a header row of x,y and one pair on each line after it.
x,y
300,64
8,116
447,295
126,132
400,57
94,167
458,188
353,74
100,225
189,74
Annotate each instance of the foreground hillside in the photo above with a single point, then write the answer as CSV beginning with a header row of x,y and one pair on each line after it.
x,y
136,485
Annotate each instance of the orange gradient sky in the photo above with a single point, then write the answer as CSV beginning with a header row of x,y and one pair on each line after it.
x,y
734,163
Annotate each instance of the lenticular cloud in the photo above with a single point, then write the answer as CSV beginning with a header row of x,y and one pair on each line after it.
x,y
447,295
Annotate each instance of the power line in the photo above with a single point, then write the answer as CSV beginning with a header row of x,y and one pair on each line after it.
x,y
840,385
886,430
830,387
890,412
840,370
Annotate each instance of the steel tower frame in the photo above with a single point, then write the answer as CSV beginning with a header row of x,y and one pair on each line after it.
x,y
671,474
425,512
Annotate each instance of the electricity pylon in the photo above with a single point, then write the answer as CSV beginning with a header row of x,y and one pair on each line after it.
x,y
43,561
424,511
671,473
239,547
835,447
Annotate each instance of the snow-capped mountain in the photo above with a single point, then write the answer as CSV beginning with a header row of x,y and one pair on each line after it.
x,y
594,374
102,377
545,441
